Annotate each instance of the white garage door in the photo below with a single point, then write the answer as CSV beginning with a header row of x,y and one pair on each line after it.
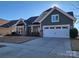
x,y
56,31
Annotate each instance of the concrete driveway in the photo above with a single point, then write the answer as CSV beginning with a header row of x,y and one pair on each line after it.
x,y
38,48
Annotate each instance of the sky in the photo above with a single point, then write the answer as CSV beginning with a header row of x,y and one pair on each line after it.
x,y
13,10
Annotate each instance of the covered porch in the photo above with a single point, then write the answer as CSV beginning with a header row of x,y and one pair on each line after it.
x,y
35,29
21,28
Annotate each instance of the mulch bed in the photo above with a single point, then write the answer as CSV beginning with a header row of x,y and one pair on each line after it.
x,y
75,44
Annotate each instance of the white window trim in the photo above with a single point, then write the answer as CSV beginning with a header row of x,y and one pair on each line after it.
x,y
55,15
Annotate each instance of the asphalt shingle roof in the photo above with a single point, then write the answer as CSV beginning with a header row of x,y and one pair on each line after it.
x,y
70,13
31,20
28,21
46,11
9,24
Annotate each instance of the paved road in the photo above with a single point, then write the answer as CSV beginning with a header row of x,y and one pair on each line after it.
x,y
39,48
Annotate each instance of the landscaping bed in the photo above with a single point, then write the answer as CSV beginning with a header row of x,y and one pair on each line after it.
x,y
16,39
75,44
74,39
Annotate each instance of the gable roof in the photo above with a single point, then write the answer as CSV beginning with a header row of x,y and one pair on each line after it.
x,y
47,12
40,17
9,24
30,20
12,23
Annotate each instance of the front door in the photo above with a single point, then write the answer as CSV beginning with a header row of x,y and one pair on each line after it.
x,y
36,30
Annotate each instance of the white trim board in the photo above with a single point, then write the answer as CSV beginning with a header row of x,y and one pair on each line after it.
x,y
56,26
18,22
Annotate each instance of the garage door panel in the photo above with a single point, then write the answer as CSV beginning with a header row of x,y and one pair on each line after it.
x,y
62,33
59,32
47,33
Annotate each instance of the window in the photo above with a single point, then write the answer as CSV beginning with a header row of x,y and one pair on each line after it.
x,y
65,27
46,28
58,27
55,18
51,27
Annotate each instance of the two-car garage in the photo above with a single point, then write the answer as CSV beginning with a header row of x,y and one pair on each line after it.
x,y
61,31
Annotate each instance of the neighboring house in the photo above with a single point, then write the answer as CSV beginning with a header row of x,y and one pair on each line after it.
x,y
53,22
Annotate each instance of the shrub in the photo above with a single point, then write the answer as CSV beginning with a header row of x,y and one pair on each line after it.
x,y
15,34
73,33
8,35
